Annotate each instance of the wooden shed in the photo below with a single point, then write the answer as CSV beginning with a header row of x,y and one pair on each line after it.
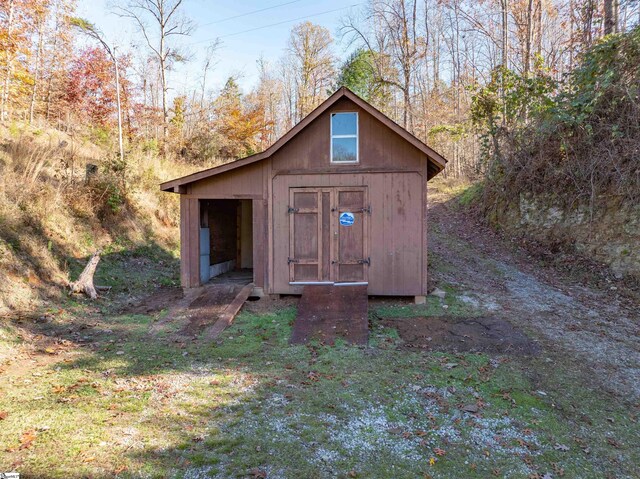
x,y
341,198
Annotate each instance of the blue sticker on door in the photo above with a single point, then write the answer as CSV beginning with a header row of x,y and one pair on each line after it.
x,y
347,219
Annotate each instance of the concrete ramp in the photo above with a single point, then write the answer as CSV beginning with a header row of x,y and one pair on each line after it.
x,y
327,312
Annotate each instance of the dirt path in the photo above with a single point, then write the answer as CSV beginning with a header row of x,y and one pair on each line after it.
x,y
598,331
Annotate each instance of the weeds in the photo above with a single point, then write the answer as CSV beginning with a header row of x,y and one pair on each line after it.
x,y
52,213
133,405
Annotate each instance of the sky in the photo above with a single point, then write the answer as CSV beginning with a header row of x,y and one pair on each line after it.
x,y
245,34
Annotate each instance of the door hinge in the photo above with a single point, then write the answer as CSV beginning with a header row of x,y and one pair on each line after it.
x,y
366,261
291,209
292,260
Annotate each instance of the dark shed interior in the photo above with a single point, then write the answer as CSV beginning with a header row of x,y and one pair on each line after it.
x,y
226,237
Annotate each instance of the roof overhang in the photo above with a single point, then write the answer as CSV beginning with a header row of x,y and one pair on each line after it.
x,y
436,161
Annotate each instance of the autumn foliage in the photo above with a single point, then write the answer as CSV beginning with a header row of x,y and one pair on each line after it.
x,y
89,91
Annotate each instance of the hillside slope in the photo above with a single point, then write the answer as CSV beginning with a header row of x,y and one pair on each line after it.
x,y
562,157
54,211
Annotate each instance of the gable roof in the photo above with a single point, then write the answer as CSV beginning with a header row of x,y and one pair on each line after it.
x,y
436,161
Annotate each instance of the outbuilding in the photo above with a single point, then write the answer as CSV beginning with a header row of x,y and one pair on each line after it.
x,y
339,199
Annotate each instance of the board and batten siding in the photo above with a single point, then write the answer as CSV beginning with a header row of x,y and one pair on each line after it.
x,y
243,183
394,171
379,147
396,229
189,242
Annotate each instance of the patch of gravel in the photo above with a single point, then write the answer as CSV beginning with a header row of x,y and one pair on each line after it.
x,y
366,433
405,432
485,303
501,435
595,329
203,472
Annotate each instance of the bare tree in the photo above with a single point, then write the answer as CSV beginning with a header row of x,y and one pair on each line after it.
x,y
529,40
504,11
10,19
312,63
391,28
168,22
40,15
610,16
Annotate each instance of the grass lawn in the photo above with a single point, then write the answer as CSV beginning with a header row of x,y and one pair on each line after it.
x,y
131,404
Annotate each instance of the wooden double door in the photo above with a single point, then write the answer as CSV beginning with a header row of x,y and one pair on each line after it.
x,y
329,235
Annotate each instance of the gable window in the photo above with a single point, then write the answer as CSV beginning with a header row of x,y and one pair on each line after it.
x,y
344,137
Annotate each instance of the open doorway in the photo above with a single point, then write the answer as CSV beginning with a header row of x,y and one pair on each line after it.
x,y
226,238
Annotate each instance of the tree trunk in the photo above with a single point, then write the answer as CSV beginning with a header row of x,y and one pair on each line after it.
x,y
609,17
528,41
121,148
505,32
36,74
7,79
85,281
539,28
163,80
505,58
53,60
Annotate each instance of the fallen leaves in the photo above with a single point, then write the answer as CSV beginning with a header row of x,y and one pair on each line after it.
x,y
25,442
27,438
258,473
612,442
3,415
118,470
439,452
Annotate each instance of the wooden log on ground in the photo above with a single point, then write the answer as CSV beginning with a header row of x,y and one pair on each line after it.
x,y
85,281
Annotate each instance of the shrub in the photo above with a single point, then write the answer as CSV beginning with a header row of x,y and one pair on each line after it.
x,y
578,141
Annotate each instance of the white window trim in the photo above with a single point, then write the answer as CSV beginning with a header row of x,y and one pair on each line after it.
x,y
356,136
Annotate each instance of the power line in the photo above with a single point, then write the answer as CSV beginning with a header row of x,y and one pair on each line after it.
x,y
249,13
277,23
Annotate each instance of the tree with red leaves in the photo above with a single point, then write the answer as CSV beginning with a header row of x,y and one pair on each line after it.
x,y
90,89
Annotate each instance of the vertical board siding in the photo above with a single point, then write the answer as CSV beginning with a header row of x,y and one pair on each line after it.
x,y
394,173
184,243
189,242
326,236
259,242
395,229
378,145
425,235
243,182
194,236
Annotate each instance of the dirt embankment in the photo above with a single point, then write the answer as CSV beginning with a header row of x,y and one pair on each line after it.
x,y
611,235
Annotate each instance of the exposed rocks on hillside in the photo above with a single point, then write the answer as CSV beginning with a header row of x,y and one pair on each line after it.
x,y
611,235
